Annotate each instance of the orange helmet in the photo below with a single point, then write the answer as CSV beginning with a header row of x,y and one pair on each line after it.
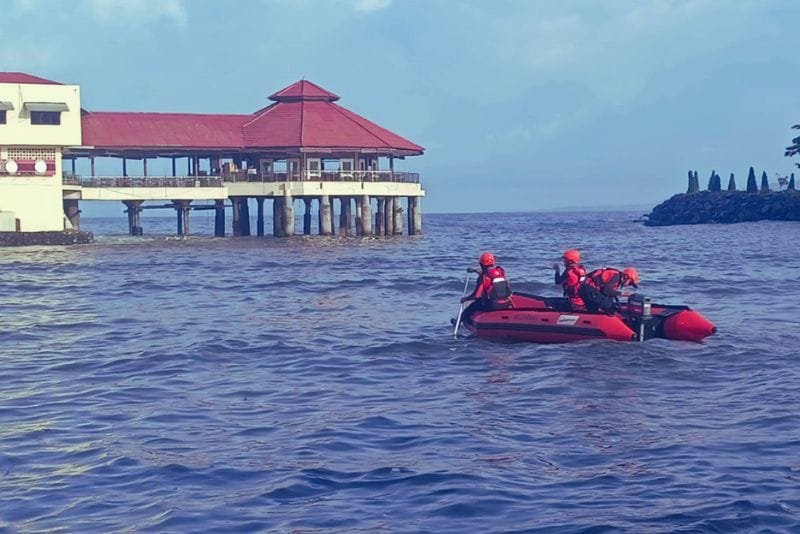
x,y
486,259
572,256
632,275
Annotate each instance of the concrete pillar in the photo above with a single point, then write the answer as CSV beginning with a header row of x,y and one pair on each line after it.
x,y
359,225
410,215
134,208
182,210
72,212
333,217
244,216
398,217
236,228
186,211
366,215
277,217
219,217
325,215
307,217
388,212
380,219
417,220
260,217
344,216
288,215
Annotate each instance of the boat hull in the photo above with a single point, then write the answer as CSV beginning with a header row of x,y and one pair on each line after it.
x,y
548,320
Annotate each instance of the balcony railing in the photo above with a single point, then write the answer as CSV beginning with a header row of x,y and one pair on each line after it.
x,y
240,176
143,181
252,175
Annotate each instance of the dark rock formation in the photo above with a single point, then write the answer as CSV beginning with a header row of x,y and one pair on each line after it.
x,y
726,207
68,237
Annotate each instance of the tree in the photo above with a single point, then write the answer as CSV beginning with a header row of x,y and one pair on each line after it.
x,y
694,187
764,182
791,183
714,182
794,148
731,183
751,181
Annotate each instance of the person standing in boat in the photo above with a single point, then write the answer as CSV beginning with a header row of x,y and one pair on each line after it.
x,y
601,288
574,273
492,290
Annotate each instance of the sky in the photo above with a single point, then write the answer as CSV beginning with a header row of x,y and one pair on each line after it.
x,y
521,105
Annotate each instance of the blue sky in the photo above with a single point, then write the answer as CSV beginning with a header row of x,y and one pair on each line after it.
x,y
521,105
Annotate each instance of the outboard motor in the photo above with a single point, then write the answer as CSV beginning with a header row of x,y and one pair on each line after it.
x,y
641,315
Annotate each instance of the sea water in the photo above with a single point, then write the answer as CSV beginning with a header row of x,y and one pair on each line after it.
x,y
313,384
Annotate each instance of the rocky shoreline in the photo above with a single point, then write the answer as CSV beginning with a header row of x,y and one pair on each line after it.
x,y
67,237
724,207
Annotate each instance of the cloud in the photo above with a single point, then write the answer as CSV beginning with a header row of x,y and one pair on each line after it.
x,y
125,12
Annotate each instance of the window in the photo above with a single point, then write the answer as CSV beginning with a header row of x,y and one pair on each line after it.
x,y
2,116
45,117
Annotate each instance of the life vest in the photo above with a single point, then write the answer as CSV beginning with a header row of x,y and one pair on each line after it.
x,y
496,286
600,278
573,278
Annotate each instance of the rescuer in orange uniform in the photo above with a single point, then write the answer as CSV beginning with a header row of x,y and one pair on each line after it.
x,y
492,290
571,278
602,287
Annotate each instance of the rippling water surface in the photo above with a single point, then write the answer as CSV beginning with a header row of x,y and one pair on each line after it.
x,y
203,384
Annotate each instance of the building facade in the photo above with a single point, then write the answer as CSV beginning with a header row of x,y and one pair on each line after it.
x,y
39,119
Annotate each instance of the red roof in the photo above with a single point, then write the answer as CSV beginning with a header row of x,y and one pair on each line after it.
x,y
21,77
162,130
303,116
303,90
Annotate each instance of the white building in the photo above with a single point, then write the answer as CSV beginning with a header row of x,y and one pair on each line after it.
x,y
38,118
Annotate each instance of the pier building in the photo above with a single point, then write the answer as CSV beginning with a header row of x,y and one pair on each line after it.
x,y
303,148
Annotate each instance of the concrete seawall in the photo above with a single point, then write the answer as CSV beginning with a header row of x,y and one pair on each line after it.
x,y
20,239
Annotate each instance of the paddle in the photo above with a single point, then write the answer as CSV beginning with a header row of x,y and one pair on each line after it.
x,y
461,304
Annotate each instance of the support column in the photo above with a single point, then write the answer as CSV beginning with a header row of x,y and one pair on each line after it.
x,y
366,215
219,216
260,219
288,215
277,217
186,211
342,221
91,160
236,228
173,167
144,166
398,217
325,218
133,210
124,167
388,213
380,218
72,212
333,217
307,217
244,216
359,224
417,227
410,215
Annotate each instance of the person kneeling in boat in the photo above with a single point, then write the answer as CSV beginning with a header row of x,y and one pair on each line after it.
x,y
492,290
601,289
574,273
